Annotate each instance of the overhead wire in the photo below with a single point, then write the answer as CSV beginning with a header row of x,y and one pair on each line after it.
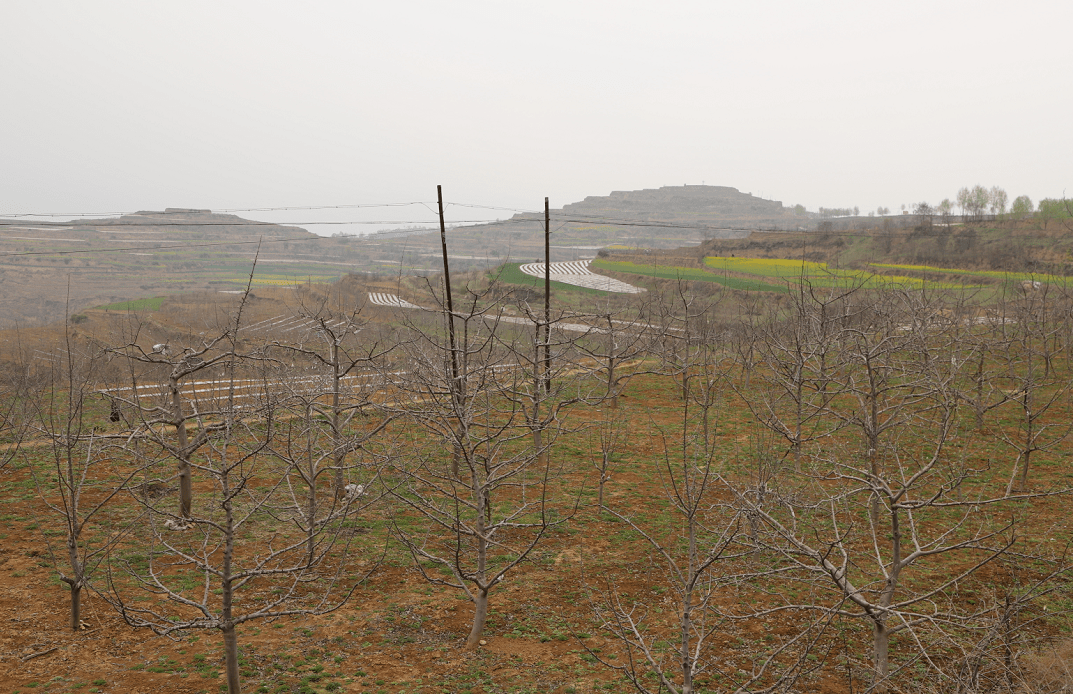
x,y
219,211
83,251
560,217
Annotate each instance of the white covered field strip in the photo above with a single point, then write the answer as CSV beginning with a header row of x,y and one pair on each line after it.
x,y
389,300
572,327
194,388
381,299
285,324
321,385
577,273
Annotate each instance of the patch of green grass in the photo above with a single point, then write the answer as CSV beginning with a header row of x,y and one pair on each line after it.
x,y
690,274
150,304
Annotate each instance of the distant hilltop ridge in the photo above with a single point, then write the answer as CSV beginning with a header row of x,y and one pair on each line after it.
x,y
187,219
176,210
675,202
717,206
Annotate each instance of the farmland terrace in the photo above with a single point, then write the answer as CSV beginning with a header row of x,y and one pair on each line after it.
x,y
49,269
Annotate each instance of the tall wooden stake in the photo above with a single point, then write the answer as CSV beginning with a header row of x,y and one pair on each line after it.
x,y
547,297
456,386
447,288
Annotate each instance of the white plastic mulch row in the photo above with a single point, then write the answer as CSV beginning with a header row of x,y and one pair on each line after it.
x,y
380,299
577,273
390,300
572,327
286,324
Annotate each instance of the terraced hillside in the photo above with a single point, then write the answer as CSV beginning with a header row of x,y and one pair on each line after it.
x,y
47,270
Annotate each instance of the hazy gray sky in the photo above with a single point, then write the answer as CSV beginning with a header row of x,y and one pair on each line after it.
x,y
119,106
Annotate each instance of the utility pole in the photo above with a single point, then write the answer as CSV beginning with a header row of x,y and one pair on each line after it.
x,y
547,297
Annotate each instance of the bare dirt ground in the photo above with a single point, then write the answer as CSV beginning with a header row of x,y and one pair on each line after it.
x,y
397,633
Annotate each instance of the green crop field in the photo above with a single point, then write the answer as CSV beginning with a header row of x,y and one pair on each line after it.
x,y
281,280
148,304
671,272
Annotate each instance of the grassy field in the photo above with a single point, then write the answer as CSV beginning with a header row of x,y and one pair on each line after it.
x,y
817,274
670,272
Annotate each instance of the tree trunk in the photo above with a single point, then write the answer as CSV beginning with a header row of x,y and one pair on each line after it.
x,y
1030,420
231,657
76,605
337,439
186,488
538,438
311,511
799,396
881,639
1023,483
228,594
74,529
480,616
687,660
480,601
538,445
873,466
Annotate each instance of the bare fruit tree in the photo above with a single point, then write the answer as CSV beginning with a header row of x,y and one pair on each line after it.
x,y
798,352
614,350
182,401
476,498
333,377
1037,388
673,646
71,484
607,438
870,530
249,549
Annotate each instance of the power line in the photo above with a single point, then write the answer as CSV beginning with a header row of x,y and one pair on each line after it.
x,y
245,223
160,248
206,244
220,211
561,217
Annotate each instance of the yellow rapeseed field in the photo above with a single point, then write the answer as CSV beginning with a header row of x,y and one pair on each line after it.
x,y
817,274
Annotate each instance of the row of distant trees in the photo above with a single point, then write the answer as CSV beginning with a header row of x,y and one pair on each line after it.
x,y
839,211
973,203
978,201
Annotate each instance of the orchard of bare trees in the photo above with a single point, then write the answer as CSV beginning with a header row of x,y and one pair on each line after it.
x,y
842,486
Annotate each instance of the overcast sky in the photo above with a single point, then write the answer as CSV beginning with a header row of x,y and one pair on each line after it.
x,y
121,106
